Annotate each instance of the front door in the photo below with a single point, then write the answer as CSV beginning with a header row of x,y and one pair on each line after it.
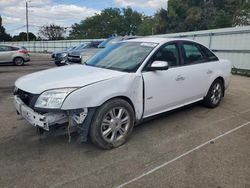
x,y
164,88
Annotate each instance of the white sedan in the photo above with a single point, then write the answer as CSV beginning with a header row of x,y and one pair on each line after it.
x,y
120,86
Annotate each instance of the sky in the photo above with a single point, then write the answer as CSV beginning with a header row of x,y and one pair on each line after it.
x,y
64,13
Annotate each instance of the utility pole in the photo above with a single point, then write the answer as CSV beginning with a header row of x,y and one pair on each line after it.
x,y
27,20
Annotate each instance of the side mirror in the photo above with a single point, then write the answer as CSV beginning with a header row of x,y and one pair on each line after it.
x,y
158,65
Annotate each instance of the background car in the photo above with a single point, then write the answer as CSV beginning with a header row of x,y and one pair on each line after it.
x,y
61,57
88,53
74,56
14,54
83,55
53,55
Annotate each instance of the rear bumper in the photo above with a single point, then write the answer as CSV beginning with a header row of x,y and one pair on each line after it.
x,y
26,58
43,121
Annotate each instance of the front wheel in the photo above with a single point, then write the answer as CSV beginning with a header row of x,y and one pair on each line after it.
x,y
214,94
112,124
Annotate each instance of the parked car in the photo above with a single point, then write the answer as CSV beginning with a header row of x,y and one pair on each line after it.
x,y
74,56
14,54
53,55
61,57
87,53
121,86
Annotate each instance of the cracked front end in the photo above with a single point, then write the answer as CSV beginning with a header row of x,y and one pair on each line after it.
x,y
44,111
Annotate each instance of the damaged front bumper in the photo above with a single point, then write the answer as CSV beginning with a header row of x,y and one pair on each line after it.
x,y
47,120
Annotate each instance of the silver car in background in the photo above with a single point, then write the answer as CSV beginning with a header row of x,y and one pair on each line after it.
x,y
14,54
88,53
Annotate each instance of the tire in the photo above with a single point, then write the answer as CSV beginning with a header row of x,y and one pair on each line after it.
x,y
18,61
215,94
112,124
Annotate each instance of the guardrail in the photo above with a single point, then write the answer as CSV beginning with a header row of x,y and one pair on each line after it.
x,y
48,46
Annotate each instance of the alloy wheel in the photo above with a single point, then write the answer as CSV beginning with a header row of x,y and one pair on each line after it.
x,y
115,124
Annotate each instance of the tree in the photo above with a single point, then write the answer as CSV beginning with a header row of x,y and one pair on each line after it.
x,y
131,21
3,35
23,36
147,27
51,32
240,9
110,21
183,15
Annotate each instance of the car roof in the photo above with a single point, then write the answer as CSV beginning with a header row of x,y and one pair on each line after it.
x,y
6,45
158,40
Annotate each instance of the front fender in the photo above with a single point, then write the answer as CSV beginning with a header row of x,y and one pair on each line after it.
x,y
94,95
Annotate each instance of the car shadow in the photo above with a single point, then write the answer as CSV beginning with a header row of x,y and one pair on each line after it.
x,y
12,65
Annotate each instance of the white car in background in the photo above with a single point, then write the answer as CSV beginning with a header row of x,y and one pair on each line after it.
x,y
14,54
122,85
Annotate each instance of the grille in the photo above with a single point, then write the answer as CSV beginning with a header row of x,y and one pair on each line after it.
x,y
28,98
58,58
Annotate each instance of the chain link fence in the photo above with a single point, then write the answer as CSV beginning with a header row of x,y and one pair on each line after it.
x,y
48,46
227,43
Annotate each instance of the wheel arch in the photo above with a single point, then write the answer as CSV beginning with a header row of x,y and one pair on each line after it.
x,y
17,57
125,98
223,83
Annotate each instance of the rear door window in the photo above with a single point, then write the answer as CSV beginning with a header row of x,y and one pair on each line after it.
x,y
4,48
14,48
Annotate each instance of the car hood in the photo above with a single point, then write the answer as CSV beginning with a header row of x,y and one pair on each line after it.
x,y
63,77
75,53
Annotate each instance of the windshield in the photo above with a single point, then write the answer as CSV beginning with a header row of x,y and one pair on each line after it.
x,y
70,48
123,56
104,43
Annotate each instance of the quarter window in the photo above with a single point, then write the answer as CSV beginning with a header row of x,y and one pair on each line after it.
x,y
14,48
192,54
209,55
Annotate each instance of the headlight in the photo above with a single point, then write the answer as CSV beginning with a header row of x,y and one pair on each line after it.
x,y
53,98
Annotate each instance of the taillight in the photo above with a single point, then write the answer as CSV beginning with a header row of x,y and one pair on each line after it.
x,y
23,51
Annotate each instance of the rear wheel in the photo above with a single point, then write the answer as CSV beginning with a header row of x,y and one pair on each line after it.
x,y
214,94
18,61
112,124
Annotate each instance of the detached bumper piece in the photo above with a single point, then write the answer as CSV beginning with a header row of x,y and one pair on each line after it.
x,y
43,121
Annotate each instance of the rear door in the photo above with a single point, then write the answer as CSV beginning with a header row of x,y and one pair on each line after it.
x,y
199,63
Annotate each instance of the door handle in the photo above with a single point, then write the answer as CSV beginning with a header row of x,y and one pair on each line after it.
x,y
180,78
209,72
